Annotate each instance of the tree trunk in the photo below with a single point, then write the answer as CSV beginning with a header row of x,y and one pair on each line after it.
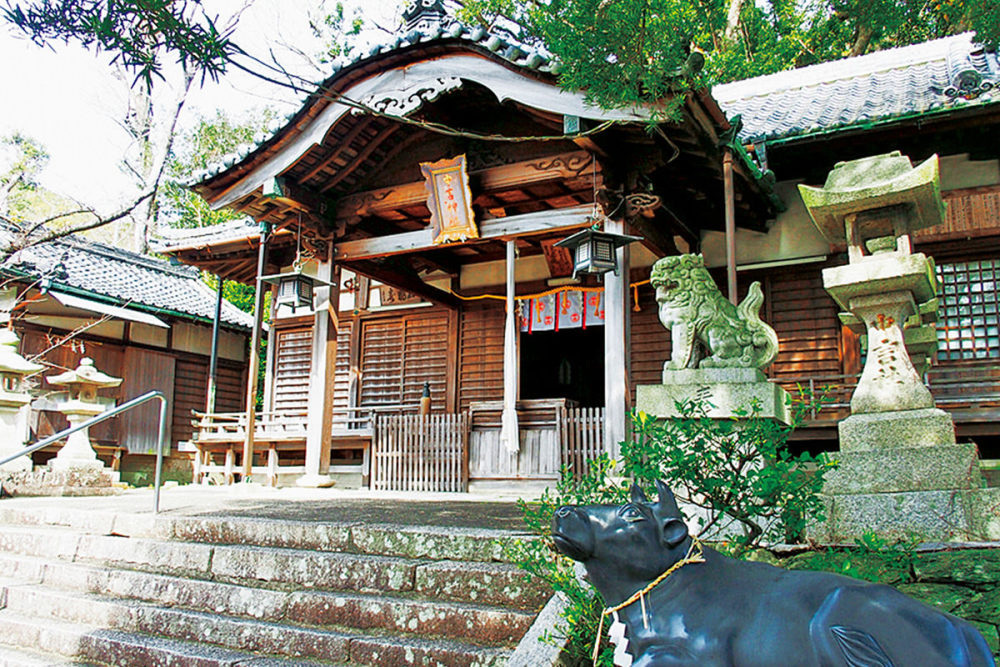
x,y
732,20
862,39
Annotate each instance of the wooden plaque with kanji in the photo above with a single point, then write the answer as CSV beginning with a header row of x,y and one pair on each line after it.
x,y
449,200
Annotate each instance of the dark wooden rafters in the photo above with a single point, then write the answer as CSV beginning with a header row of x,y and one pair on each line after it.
x,y
373,144
342,145
394,273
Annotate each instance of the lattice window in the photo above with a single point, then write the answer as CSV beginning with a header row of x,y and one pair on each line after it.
x,y
968,320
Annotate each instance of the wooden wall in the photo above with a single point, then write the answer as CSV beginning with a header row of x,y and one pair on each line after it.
x,y
480,367
649,340
182,376
805,319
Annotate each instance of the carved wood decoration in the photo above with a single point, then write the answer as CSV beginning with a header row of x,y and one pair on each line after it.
x,y
449,200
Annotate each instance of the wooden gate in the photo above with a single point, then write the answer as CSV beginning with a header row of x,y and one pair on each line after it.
x,y
421,453
582,432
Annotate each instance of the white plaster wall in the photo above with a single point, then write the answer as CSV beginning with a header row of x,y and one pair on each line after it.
x,y
488,274
958,172
197,339
114,329
147,334
792,235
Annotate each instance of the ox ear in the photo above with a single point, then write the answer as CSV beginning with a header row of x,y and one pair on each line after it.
x,y
675,531
636,494
667,502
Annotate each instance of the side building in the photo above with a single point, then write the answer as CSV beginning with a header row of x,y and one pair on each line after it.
x,y
145,320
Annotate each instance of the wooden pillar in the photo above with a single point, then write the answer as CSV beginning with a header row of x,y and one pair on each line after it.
x,y
319,427
258,313
616,314
510,436
213,363
727,184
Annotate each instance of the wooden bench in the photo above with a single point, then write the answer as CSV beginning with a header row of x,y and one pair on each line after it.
x,y
219,438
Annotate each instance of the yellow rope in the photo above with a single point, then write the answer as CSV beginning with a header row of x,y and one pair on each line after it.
x,y
538,295
690,557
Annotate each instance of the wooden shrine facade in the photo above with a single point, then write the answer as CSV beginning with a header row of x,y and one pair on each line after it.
x,y
340,188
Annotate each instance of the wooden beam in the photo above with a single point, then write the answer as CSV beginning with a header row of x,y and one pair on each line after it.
x,y
393,276
495,229
538,170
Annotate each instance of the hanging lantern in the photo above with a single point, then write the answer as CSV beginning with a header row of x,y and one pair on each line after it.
x,y
295,288
594,251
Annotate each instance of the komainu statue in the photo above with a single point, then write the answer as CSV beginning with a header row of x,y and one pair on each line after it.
x,y
706,331
674,603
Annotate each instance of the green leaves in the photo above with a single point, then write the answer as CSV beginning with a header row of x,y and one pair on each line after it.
x,y
205,145
738,472
624,52
138,33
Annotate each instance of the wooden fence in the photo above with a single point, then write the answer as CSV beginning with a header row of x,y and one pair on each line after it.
x,y
582,431
421,453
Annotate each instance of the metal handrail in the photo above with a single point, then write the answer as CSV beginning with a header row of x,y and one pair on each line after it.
x,y
128,405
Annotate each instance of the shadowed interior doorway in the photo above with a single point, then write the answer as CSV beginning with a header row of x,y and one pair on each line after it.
x,y
564,364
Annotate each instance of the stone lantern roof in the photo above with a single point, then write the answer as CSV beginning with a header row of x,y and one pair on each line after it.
x,y
86,374
10,361
873,183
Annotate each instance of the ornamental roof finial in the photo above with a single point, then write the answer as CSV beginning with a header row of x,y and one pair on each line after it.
x,y
423,14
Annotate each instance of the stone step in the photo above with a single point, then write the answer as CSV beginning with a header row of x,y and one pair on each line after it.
x,y
431,542
121,634
11,657
468,581
134,617
482,624
91,643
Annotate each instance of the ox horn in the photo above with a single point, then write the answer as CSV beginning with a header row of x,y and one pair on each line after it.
x,y
667,502
636,494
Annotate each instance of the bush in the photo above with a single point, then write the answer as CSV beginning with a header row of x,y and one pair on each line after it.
x,y
738,472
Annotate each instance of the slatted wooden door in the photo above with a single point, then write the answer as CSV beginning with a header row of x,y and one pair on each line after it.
x,y
399,354
292,365
421,453
480,374
582,435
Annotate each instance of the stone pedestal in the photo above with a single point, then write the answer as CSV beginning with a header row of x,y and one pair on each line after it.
x,y
901,472
13,429
77,453
729,391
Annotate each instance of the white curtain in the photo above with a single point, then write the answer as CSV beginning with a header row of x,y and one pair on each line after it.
x,y
509,437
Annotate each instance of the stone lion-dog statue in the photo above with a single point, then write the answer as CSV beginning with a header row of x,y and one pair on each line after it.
x,y
706,330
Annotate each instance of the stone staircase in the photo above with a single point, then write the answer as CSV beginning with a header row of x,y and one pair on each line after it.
x,y
82,587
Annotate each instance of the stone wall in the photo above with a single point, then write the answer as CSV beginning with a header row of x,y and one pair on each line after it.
x,y
962,581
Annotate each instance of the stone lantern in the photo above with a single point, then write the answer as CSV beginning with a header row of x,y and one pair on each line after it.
x,y
82,385
13,399
901,470
874,205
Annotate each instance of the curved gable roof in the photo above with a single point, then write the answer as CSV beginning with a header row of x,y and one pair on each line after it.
x,y
398,78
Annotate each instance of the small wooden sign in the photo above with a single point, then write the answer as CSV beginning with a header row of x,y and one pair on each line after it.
x,y
449,200
391,296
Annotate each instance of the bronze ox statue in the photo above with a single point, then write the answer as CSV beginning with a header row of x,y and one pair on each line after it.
x,y
717,611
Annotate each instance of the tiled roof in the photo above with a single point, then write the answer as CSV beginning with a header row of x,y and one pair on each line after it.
x,y
174,238
447,30
937,76
127,278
